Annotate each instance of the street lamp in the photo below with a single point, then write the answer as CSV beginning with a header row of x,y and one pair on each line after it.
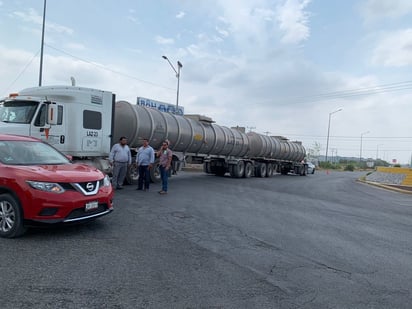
x,y
377,150
361,137
327,140
179,66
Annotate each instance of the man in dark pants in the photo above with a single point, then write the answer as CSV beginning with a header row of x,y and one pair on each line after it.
x,y
144,161
120,158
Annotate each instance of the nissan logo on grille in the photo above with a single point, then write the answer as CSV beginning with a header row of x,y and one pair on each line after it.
x,y
89,186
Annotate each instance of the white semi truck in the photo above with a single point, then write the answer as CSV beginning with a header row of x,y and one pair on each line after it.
x,y
84,123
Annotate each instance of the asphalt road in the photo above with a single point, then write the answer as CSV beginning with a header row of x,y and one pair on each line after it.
x,y
321,241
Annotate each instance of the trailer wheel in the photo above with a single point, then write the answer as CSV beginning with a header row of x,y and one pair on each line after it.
x,y
261,169
220,171
155,172
284,170
231,169
302,170
238,169
269,170
248,170
206,167
132,175
305,170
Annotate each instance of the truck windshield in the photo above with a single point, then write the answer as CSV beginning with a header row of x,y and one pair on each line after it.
x,y
17,111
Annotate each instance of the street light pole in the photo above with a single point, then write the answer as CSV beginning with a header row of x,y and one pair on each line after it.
x,y
327,140
377,150
179,66
42,44
360,153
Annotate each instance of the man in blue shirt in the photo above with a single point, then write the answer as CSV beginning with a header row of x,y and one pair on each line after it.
x,y
144,160
120,158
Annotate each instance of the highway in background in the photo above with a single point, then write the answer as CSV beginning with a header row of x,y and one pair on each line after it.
x,y
320,241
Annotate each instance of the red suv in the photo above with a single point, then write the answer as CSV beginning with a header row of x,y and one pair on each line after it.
x,y
38,184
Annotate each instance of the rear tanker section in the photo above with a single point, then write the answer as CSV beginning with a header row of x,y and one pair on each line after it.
x,y
196,138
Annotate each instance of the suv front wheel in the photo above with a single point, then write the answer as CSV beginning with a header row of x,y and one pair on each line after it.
x,y
11,217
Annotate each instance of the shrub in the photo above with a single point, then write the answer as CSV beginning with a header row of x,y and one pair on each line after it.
x,y
349,168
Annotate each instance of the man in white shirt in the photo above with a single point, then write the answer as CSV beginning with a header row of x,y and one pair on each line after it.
x,y
120,158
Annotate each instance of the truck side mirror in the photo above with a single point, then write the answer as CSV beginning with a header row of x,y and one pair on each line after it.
x,y
52,114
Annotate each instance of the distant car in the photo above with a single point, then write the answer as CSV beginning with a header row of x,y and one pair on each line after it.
x,y
39,185
311,168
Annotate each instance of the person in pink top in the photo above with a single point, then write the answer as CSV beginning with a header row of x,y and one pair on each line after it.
x,y
165,161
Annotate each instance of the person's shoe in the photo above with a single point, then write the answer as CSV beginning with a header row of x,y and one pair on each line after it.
x,y
162,192
119,188
139,189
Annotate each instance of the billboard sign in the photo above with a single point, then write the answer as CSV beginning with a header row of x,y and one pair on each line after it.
x,y
161,106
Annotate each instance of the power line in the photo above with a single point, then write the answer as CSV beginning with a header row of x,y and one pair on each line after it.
x,y
21,73
405,85
340,94
108,69
351,136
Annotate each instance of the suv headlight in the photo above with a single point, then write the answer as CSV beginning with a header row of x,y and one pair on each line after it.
x,y
46,186
106,181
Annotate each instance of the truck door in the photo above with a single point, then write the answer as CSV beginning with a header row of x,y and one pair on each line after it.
x,y
52,134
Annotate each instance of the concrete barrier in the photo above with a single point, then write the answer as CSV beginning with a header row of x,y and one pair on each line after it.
x,y
407,172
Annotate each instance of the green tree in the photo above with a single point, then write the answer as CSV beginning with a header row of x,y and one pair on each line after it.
x,y
314,151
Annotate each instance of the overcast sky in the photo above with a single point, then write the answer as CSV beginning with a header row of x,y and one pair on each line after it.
x,y
278,67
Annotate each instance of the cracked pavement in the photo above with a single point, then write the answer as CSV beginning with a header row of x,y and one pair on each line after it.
x,y
321,241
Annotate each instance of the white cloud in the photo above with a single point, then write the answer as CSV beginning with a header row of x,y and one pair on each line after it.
x,y
222,32
31,16
236,68
377,9
133,19
75,46
293,21
394,50
180,15
164,41
244,21
265,14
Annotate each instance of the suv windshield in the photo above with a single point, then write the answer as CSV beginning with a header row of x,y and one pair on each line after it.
x,y
17,111
30,153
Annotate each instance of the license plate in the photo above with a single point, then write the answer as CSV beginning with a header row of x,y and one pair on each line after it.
x,y
91,206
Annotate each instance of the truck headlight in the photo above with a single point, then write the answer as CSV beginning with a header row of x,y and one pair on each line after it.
x,y
46,186
106,181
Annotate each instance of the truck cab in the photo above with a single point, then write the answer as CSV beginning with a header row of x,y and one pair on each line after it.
x,y
77,121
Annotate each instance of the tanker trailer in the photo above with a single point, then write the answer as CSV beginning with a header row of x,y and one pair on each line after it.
x,y
221,149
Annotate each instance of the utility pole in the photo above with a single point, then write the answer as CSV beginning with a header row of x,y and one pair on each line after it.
x,y
327,140
251,128
179,66
42,44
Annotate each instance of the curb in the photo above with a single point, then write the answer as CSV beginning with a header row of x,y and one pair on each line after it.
x,y
386,186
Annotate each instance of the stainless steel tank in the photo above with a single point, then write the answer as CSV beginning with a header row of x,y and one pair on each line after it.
x,y
197,135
